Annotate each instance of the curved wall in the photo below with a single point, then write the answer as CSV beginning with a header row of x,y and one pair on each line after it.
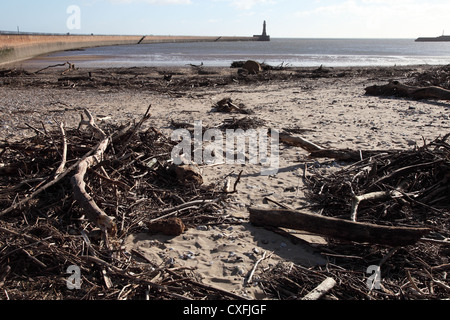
x,y
14,48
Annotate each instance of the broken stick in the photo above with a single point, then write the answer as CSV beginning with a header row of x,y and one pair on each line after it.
x,y
337,228
299,142
64,152
370,196
321,289
250,277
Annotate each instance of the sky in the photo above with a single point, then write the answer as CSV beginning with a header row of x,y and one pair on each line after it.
x,y
285,18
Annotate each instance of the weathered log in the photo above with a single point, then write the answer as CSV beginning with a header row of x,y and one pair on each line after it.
x,y
337,228
395,88
252,67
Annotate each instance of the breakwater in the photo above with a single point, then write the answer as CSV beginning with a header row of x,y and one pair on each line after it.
x,y
18,47
434,39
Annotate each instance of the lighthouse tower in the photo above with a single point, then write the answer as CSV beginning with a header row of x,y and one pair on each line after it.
x,y
264,36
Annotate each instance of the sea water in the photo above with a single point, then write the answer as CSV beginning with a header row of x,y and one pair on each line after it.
x,y
287,52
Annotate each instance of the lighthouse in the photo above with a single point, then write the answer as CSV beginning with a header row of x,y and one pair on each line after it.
x,y
264,36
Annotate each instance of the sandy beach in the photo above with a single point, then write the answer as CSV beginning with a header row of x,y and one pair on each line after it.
x,y
326,106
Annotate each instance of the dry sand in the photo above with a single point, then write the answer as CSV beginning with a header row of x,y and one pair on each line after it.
x,y
333,109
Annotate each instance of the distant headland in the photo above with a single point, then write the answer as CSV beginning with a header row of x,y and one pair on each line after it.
x,y
433,39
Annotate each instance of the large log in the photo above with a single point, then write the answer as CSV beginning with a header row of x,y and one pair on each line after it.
x,y
395,88
336,228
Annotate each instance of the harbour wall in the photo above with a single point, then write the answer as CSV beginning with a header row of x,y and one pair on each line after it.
x,y
18,47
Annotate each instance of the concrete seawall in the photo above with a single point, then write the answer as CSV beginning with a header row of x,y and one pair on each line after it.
x,y
179,39
14,48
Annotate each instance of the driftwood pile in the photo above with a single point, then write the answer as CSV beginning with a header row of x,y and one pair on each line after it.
x,y
431,84
437,76
70,197
390,210
411,186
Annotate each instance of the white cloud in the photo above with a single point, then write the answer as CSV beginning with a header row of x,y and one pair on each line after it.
x,y
373,7
160,2
399,17
249,4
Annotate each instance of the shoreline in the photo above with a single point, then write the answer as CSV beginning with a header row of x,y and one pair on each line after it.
x,y
29,65
376,52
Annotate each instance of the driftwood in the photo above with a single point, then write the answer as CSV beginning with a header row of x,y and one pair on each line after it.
x,y
299,142
86,202
337,228
316,151
51,183
250,277
122,170
370,196
395,88
252,67
71,67
321,289
93,212
226,105
346,154
64,152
